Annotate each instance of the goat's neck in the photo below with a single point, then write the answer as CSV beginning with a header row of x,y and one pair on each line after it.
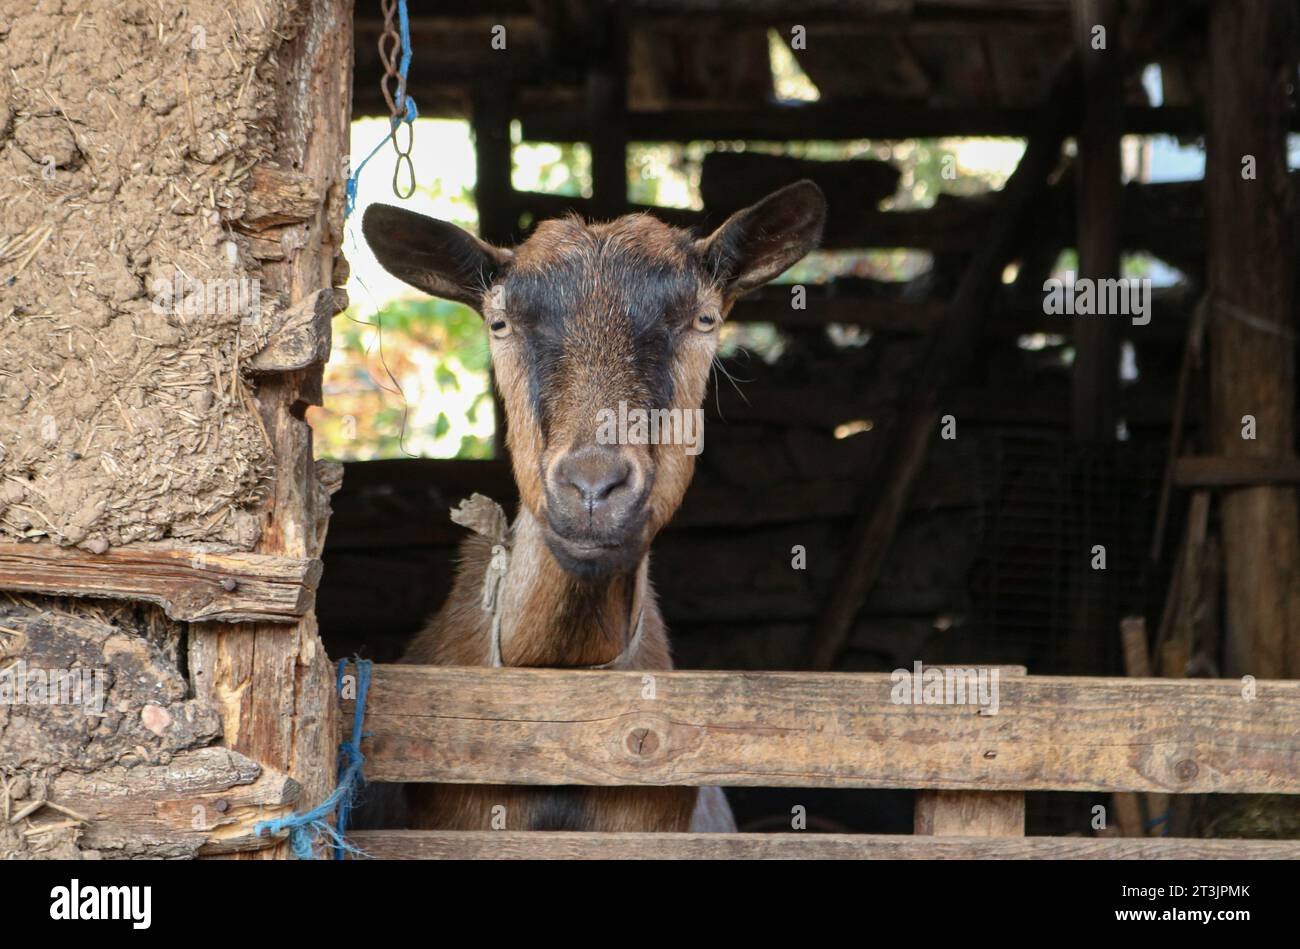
x,y
550,619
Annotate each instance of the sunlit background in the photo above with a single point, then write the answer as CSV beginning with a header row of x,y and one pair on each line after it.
x,y
408,375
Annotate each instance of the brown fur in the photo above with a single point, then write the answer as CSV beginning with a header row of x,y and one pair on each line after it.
x,y
459,635
598,279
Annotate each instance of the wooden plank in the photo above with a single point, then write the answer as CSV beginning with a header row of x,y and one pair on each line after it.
x,y
842,122
969,814
792,729
1250,211
953,225
207,800
1215,472
887,312
1163,218
565,845
1176,639
190,584
730,181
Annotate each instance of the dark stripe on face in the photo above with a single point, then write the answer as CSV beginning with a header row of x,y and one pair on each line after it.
x,y
602,309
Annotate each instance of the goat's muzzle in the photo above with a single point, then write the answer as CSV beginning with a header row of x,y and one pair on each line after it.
x,y
595,509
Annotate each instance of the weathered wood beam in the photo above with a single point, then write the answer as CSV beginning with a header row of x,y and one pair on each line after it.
x,y
203,801
954,342
1251,215
877,18
498,222
784,729
846,121
1234,472
1193,345
1130,820
190,584
885,310
276,196
492,162
274,684
1163,219
730,181
1095,373
301,334
606,114
969,814
567,845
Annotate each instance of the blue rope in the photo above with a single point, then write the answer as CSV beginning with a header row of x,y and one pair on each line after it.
x,y
404,25
305,829
410,114
1157,821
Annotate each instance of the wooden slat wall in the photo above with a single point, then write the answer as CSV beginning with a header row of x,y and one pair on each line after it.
x,y
497,845
785,729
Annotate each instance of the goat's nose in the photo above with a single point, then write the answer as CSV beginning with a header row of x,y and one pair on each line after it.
x,y
595,473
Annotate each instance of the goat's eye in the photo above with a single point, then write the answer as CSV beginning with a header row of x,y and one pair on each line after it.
x,y
499,327
706,322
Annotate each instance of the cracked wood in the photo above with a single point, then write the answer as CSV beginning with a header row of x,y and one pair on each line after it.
x,y
550,726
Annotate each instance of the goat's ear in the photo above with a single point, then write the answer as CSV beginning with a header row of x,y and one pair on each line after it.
x,y
766,239
432,255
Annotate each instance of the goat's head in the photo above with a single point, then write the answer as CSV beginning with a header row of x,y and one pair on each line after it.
x,y
583,319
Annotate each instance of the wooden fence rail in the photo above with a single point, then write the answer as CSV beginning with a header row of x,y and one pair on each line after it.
x,y
559,845
773,729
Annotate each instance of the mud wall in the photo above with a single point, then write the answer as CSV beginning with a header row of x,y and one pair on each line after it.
x,y
150,209
128,132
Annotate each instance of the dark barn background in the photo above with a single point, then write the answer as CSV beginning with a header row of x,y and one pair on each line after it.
x,y
975,549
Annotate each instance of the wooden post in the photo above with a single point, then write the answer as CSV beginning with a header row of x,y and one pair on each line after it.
x,y
493,161
607,115
1251,268
1096,360
273,681
494,197
971,813
1129,821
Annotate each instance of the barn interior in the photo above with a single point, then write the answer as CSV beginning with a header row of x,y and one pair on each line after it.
x,y
963,475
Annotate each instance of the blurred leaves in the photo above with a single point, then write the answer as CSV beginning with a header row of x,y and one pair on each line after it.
x,y
408,380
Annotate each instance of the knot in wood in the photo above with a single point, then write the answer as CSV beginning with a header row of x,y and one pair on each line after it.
x,y
642,741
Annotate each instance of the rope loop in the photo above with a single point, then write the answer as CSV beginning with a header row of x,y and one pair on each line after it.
x,y
308,828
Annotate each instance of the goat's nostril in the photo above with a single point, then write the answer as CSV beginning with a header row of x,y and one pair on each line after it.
x,y
595,475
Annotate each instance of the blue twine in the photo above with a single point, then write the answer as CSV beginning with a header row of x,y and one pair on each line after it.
x,y
305,829
1157,821
411,113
